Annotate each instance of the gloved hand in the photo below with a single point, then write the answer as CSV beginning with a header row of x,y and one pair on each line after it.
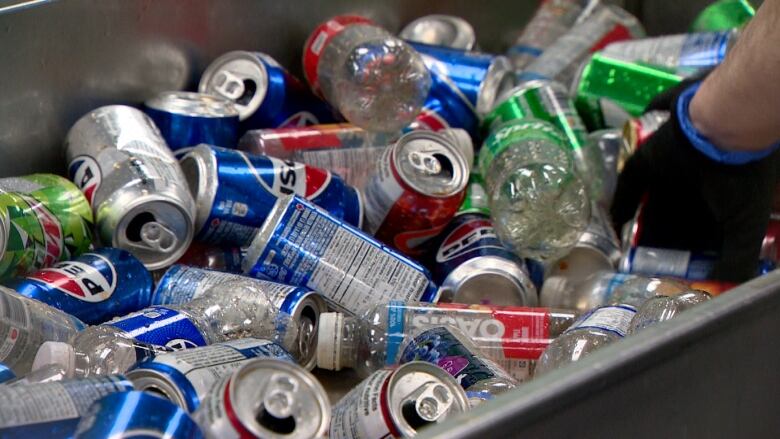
x,y
696,196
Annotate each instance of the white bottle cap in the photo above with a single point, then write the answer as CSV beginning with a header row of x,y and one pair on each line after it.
x,y
554,292
329,334
56,352
463,142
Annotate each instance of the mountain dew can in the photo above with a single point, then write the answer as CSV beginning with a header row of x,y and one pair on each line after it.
x,y
44,219
609,91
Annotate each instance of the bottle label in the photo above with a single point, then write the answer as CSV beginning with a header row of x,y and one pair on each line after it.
x,y
161,326
675,263
615,319
441,347
704,49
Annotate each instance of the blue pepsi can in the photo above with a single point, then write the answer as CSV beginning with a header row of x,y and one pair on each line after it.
x,y
446,107
265,94
136,415
235,191
161,326
6,374
52,410
481,77
185,377
187,119
94,287
300,244
472,266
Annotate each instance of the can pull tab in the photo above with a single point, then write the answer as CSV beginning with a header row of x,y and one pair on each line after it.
x,y
158,237
276,411
425,162
229,85
432,401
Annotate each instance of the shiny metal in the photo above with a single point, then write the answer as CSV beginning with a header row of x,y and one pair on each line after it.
x,y
441,30
431,163
498,280
228,75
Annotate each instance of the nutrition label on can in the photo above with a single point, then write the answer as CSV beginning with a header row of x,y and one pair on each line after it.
x,y
355,165
353,272
360,414
615,319
37,403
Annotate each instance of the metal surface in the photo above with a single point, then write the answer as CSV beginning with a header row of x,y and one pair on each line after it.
x,y
710,373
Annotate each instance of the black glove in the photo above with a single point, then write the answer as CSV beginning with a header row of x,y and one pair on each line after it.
x,y
693,201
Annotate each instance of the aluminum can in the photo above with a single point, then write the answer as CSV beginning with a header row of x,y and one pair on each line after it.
x,y
136,414
94,287
266,398
637,130
395,402
609,91
446,107
650,261
187,119
235,192
685,53
342,149
479,76
44,218
161,326
723,15
136,188
302,245
605,24
53,409
180,284
418,186
472,266
6,374
552,19
441,30
185,377
265,94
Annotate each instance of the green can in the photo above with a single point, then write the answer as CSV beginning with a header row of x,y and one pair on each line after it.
x,y
609,91
44,219
544,100
723,15
476,200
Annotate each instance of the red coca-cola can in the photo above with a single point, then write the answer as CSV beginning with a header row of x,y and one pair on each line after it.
x,y
418,185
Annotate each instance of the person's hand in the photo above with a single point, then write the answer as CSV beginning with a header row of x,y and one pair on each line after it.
x,y
697,197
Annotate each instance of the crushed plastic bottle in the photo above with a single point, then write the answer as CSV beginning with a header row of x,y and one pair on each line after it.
x,y
229,311
376,80
662,308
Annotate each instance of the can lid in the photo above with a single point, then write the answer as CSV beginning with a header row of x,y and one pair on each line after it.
x,y
499,79
331,326
193,104
239,76
441,30
56,352
432,164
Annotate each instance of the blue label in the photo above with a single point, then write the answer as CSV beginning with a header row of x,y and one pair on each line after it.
x,y
446,107
704,49
395,330
6,374
161,326
269,350
178,285
527,50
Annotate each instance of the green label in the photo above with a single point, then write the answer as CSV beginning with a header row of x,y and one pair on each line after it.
x,y
512,133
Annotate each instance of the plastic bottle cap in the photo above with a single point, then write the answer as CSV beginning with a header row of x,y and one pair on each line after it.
x,y
553,291
329,336
56,352
463,142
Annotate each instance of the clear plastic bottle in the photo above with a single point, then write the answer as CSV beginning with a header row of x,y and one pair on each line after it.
x,y
376,80
662,308
512,337
589,333
538,202
229,311
604,288
25,324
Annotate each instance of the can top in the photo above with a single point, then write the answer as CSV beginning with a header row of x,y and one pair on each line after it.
x,y
241,77
200,170
274,398
420,394
490,279
499,79
431,164
156,382
189,103
441,30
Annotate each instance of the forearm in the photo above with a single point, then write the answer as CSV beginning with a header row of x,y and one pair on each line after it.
x,y
738,106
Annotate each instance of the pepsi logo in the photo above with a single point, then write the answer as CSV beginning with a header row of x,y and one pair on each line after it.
x,y
429,120
85,173
291,177
300,119
179,344
81,279
466,237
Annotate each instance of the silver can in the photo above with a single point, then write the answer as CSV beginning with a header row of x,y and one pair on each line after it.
x,y
185,377
133,182
266,398
496,280
397,402
441,30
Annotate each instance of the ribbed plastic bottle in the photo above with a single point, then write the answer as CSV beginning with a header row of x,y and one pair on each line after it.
x,y
376,80
662,308
226,312
25,324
